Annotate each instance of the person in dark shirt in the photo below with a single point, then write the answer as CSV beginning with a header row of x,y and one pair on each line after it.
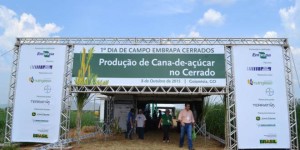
x,y
130,123
167,122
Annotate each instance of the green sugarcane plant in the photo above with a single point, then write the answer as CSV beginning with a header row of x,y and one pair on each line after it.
x,y
85,77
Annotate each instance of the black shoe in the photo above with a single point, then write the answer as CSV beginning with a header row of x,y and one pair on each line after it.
x,y
191,149
180,146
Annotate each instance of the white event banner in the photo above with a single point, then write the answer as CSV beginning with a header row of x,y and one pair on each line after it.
x,y
156,65
39,90
261,97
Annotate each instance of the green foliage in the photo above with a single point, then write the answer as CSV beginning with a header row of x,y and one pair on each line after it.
x,y
88,119
215,120
85,77
298,119
2,124
115,126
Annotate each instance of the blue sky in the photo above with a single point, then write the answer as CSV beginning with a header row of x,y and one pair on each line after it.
x,y
145,18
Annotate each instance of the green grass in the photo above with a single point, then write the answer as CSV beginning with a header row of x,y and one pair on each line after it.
x,y
2,124
298,120
215,120
88,119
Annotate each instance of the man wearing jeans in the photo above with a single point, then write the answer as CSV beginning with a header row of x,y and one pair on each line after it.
x,y
187,121
129,124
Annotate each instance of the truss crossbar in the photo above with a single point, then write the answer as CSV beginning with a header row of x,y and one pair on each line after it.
x,y
155,41
109,90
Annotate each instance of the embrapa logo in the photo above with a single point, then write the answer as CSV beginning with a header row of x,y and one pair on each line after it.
x,y
46,54
261,55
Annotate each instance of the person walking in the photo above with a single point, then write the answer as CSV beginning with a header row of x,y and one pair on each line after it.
x,y
129,124
187,121
140,124
167,122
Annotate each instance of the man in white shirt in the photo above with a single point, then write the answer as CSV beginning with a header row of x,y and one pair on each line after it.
x,y
187,121
140,124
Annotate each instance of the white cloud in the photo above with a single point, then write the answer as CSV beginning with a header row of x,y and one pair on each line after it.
x,y
295,51
290,18
212,17
271,34
24,26
219,2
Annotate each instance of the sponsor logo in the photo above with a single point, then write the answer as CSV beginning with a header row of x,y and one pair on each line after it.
x,y
266,99
47,89
261,55
40,121
271,135
266,113
43,96
266,125
265,75
264,105
268,141
40,101
258,118
259,68
269,91
43,136
252,82
32,80
46,54
39,114
45,72
43,109
41,66
43,130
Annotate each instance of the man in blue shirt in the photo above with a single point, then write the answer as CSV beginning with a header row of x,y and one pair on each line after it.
x,y
130,123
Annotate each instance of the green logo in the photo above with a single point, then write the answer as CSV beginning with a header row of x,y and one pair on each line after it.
x,y
261,55
44,136
257,118
33,114
268,141
46,54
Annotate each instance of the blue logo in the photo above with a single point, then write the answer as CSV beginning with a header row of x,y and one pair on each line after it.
x,y
41,66
259,68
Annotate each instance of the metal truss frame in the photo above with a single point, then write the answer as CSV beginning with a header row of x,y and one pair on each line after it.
x,y
290,97
155,41
67,95
65,111
159,90
228,90
11,97
230,125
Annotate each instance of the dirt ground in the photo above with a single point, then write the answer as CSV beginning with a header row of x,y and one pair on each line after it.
x,y
152,141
